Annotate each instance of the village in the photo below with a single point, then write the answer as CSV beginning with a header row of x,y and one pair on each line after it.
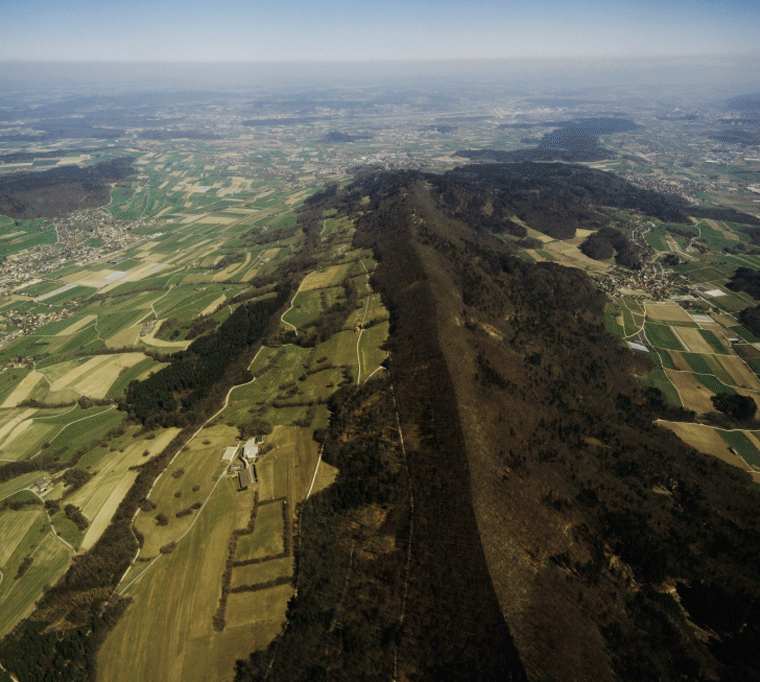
x,y
74,231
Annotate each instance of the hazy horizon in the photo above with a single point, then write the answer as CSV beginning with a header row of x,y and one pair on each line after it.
x,y
337,30
707,75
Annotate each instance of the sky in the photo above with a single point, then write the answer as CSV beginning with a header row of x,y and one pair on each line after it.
x,y
362,30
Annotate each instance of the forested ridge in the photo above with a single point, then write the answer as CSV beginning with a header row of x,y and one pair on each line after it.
x,y
610,549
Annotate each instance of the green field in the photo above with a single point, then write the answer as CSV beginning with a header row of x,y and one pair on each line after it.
x,y
714,342
739,442
658,379
189,582
744,333
661,336
698,363
654,237
662,357
714,384
25,534
610,323
120,385
307,305
266,539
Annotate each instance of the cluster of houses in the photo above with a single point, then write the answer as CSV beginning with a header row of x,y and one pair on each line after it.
x,y
243,461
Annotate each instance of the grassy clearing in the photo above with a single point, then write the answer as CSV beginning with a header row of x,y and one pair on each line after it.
x,y
167,632
318,386
370,348
68,530
266,538
341,349
307,305
610,320
658,379
279,381
375,312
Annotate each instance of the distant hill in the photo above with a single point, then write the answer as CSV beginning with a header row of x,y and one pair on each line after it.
x,y
65,188
573,141
745,102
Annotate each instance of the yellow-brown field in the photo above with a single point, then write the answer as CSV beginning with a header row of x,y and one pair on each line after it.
x,y
743,376
725,320
261,609
694,395
150,339
567,254
228,272
99,498
130,336
679,361
94,377
12,419
114,468
23,390
328,277
667,311
692,339
167,632
17,433
76,326
705,439
259,573
200,463
13,527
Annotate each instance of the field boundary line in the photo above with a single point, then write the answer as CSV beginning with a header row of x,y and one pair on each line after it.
x,y
411,530
292,303
50,521
316,469
361,325
76,421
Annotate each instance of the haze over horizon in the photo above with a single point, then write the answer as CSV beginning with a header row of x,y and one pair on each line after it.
x,y
339,31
